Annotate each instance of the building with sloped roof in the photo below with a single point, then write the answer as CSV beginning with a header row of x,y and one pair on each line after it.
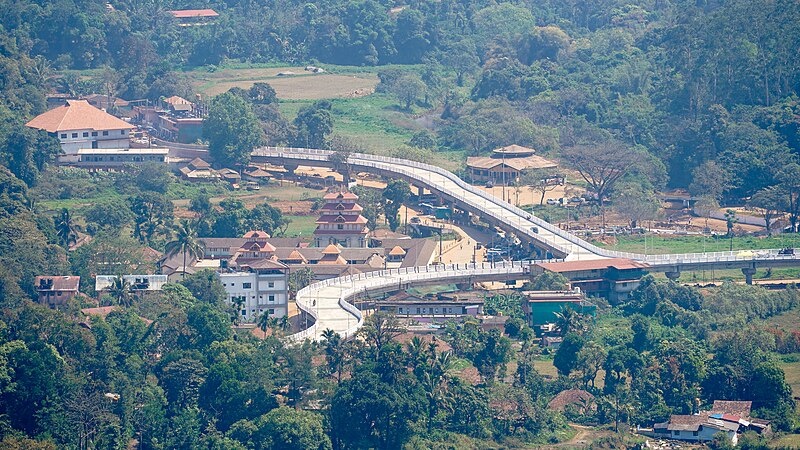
x,y
56,291
612,278
79,125
506,163
341,222
194,17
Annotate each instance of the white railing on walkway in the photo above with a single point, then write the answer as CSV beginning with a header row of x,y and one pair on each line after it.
x,y
478,200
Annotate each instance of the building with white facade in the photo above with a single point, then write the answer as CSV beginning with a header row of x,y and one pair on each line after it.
x,y
256,282
145,282
262,288
79,125
114,158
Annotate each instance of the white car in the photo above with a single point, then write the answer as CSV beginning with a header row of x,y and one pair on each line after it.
x,y
552,201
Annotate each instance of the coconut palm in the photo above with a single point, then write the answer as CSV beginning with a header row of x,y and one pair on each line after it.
x,y
264,322
121,292
238,302
66,229
185,242
568,321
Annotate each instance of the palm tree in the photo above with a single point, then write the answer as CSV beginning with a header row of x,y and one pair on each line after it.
x,y
121,291
66,230
264,322
238,302
185,242
568,320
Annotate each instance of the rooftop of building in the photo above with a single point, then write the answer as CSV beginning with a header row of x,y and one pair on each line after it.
x,y
593,264
189,13
77,115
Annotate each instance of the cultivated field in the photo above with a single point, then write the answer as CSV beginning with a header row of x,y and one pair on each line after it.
x,y
301,86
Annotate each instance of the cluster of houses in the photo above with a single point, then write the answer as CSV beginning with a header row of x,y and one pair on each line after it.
x,y
730,418
95,140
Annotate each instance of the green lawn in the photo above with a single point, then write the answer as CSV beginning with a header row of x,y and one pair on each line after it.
x,y
699,244
302,226
792,372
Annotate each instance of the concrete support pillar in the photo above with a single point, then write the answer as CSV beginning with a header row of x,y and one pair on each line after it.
x,y
420,190
748,274
674,275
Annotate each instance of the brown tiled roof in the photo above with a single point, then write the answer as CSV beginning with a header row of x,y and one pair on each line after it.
x,y
736,408
256,234
593,264
252,246
175,100
60,283
295,256
255,172
397,251
340,196
104,100
187,13
77,115
344,207
331,250
265,264
521,163
198,163
332,259
229,173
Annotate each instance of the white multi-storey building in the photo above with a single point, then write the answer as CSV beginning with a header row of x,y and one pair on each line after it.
x,y
262,287
79,125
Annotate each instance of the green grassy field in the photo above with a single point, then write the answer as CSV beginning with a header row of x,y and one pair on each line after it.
x,y
698,244
302,226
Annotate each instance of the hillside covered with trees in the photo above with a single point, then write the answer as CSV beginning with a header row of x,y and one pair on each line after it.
x,y
698,94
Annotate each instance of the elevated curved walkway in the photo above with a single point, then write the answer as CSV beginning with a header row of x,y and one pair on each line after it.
x,y
327,301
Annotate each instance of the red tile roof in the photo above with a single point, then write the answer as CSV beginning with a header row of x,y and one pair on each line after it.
x,y
188,13
593,264
256,234
340,196
77,115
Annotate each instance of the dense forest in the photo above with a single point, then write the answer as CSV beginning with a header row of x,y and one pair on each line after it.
x,y
703,92
690,82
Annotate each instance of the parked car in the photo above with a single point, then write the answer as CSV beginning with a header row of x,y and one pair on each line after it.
x,y
415,219
786,251
489,184
534,229
576,200
552,201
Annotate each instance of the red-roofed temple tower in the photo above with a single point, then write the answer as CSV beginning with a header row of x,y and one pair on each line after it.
x,y
341,222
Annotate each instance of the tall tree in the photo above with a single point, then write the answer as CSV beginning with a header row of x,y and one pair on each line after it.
x,y
185,242
771,200
121,291
603,165
232,130
313,125
66,229
396,192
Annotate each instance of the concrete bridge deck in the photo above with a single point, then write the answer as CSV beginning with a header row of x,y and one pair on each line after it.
x,y
327,300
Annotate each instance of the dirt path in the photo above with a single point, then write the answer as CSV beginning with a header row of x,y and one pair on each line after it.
x,y
582,439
